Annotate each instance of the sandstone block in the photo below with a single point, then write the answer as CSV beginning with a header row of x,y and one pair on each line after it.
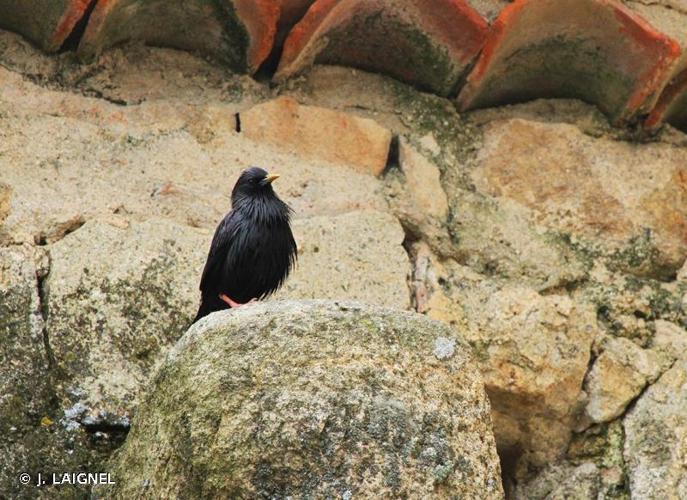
x,y
423,181
618,376
354,256
118,298
319,133
627,200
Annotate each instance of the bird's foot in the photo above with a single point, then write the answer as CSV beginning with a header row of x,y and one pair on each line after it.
x,y
233,304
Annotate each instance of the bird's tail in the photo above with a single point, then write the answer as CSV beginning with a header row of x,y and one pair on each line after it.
x,y
209,305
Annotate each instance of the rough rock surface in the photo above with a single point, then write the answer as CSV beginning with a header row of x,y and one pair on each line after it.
x,y
416,193
656,438
670,339
314,399
356,256
24,384
494,242
594,467
174,155
617,377
118,295
534,352
23,360
112,318
31,439
423,181
628,201
563,481
319,133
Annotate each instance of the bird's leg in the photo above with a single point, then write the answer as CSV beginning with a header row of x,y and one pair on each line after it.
x,y
233,304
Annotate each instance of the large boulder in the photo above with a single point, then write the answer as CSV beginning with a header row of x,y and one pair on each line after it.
x,y
312,399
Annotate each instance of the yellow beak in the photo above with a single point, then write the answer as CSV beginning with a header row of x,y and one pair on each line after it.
x,y
271,178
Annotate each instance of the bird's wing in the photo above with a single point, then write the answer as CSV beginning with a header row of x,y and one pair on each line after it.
x,y
219,248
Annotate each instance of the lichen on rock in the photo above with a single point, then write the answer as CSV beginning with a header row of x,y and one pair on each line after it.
x,y
312,398
118,298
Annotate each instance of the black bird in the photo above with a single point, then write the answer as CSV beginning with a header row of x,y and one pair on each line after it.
x,y
253,249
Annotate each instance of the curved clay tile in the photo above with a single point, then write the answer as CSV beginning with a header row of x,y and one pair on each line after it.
x,y
672,105
292,11
238,32
428,44
51,27
668,18
595,50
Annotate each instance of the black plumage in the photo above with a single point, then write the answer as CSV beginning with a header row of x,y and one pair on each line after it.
x,y
253,249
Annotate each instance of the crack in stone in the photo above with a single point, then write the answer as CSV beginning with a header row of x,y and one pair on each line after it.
x,y
412,281
630,406
58,231
41,278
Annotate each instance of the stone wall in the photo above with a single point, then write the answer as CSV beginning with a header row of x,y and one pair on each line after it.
x,y
551,235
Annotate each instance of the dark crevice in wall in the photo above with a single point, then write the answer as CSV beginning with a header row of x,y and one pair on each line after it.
x,y
237,116
72,41
286,23
411,237
393,159
269,66
509,458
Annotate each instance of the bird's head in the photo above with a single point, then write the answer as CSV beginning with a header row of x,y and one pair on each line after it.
x,y
253,182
